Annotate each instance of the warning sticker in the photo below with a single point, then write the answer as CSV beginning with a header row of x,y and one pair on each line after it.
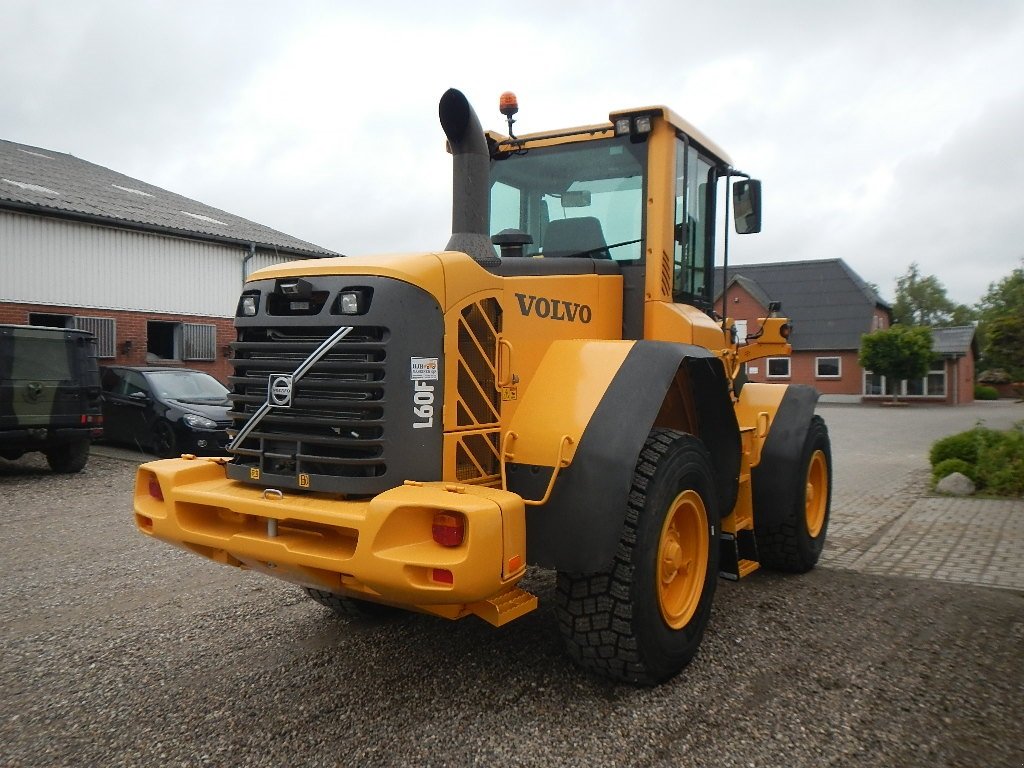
x,y
424,369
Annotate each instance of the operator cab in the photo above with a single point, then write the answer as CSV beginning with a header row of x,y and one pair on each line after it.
x,y
579,194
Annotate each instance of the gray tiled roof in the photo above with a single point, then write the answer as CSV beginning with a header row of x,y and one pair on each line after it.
x,y
956,340
53,183
830,306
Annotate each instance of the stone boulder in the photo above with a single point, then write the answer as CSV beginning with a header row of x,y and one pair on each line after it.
x,y
956,484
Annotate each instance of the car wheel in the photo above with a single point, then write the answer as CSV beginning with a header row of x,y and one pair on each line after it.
x,y
165,441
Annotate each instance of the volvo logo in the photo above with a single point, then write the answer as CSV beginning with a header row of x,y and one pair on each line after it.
x,y
555,309
280,394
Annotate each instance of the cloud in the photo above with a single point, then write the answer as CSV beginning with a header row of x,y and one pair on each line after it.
x,y
884,132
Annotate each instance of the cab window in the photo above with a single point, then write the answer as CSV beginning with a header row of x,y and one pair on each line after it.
x,y
694,212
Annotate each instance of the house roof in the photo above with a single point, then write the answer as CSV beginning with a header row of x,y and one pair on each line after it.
x,y
829,304
956,341
41,181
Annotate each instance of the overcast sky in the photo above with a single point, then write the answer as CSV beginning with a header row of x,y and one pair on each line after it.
x,y
884,132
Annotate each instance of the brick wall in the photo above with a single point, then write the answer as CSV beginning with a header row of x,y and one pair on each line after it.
x,y
131,326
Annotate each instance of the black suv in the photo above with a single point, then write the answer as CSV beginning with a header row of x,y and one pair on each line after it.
x,y
49,394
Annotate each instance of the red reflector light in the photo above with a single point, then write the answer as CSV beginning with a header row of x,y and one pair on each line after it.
x,y
443,576
154,488
448,529
785,330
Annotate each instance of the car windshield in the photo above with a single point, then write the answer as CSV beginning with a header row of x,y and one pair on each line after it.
x,y
595,188
186,385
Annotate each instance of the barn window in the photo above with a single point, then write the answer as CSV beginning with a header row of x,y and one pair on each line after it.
x,y
163,340
181,341
199,341
105,331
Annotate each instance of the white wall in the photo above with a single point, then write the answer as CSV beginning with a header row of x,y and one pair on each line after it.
x,y
53,261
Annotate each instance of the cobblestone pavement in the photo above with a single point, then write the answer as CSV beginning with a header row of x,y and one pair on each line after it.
x,y
885,519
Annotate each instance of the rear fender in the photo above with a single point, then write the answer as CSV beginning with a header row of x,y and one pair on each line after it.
x,y
592,404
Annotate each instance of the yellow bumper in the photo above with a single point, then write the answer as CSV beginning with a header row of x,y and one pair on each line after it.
x,y
380,549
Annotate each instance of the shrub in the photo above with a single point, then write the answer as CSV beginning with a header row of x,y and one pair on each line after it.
x,y
963,446
947,467
1000,468
981,392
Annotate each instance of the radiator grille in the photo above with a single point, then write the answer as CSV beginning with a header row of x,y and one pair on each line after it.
x,y
334,424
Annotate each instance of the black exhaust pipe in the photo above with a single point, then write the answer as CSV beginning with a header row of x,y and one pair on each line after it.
x,y
470,168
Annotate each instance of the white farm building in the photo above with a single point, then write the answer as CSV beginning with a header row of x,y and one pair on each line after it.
x,y
154,275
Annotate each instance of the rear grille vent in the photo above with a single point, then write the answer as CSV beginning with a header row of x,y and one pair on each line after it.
x,y
479,327
476,452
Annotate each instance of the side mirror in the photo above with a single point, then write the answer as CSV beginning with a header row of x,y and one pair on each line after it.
x,y
139,397
746,205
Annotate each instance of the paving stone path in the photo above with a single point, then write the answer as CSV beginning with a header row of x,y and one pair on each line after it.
x,y
886,520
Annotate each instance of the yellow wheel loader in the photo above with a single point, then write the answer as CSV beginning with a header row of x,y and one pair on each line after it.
x,y
552,389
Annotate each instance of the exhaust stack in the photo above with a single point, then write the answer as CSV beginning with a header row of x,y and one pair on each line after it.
x,y
470,168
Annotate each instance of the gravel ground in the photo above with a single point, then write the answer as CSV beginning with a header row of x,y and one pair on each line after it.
x,y
117,650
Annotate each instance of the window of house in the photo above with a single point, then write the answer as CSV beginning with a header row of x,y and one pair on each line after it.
x,y
932,385
935,381
778,367
827,367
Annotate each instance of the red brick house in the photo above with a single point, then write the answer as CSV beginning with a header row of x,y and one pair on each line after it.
x,y
831,307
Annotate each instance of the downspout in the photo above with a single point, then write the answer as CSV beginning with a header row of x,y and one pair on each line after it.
x,y
245,261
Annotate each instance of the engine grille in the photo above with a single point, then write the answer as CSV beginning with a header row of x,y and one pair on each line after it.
x,y
344,420
335,421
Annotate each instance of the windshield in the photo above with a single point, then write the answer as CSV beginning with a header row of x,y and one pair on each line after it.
x,y
186,385
581,199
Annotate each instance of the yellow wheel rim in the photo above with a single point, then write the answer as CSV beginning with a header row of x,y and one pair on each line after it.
x,y
682,559
816,496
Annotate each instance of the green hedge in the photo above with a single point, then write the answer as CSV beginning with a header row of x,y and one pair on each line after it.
x,y
994,460
981,392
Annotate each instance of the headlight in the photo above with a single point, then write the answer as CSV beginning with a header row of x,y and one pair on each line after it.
x,y
196,421
248,305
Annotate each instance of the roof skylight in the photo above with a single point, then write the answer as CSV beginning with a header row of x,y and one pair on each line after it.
x,y
32,187
204,218
133,191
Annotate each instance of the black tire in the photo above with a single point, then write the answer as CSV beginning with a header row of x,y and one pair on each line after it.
x,y
165,441
793,544
69,458
350,607
615,623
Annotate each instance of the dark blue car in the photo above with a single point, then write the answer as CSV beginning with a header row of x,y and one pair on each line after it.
x,y
169,411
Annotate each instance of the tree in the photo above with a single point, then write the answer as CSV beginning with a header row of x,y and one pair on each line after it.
x,y
1003,298
898,353
1004,347
1001,328
921,300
